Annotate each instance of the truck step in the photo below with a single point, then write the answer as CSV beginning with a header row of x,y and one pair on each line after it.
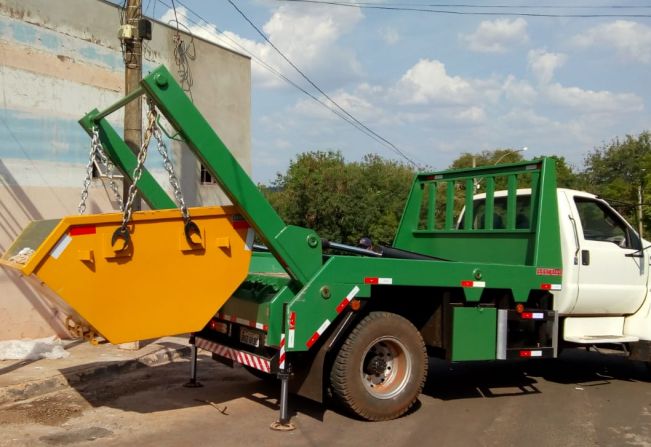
x,y
598,339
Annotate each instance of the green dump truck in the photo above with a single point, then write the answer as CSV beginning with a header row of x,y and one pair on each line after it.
x,y
488,264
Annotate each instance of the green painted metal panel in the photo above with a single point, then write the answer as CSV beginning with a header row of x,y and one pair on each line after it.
x,y
510,202
490,196
264,262
449,206
474,333
431,205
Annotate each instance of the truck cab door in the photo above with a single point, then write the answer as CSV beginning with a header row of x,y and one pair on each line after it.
x,y
609,282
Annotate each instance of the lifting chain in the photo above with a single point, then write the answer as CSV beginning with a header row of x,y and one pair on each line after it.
x,y
123,232
97,152
190,228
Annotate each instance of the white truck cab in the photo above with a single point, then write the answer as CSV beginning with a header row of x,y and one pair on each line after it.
x,y
602,295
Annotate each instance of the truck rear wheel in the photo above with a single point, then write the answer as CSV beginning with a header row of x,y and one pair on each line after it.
x,y
381,368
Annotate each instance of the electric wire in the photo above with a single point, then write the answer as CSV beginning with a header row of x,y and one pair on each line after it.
x,y
304,76
264,64
500,6
203,24
388,7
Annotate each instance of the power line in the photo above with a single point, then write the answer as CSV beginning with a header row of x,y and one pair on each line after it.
x,y
391,146
388,7
271,69
499,6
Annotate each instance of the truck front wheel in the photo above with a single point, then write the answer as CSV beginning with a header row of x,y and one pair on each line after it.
x,y
381,368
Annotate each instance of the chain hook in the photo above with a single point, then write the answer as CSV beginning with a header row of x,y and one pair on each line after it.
x,y
190,228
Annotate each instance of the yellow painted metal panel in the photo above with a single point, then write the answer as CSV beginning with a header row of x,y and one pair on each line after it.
x,y
160,286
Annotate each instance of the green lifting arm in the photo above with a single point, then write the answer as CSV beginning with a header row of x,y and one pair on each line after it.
x,y
298,249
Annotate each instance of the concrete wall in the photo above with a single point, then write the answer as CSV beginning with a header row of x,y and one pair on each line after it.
x,y
59,60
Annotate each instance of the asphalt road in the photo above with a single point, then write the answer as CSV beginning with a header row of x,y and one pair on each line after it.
x,y
581,399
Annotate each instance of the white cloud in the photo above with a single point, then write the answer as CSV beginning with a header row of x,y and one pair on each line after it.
x,y
544,64
428,81
308,38
593,102
471,115
518,91
631,40
495,36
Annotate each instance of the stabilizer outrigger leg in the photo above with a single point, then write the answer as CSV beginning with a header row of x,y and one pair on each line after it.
x,y
284,371
193,383
283,423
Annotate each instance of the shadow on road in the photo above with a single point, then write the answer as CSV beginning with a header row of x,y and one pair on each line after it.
x,y
221,385
122,388
512,378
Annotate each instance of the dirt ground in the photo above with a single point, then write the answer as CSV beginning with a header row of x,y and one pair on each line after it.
x,y
581,399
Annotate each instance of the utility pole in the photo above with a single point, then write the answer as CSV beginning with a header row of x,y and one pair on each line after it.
x,y
640,215
131,40
132,50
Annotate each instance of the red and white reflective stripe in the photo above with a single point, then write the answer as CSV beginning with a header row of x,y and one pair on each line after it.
x,y
326,323
531,353
473,284
292,329
532,315
244,358
318,333
376,280
281,356
235,319
550,286
348,299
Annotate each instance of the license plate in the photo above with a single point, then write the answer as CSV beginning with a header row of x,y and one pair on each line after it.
x,y
249,337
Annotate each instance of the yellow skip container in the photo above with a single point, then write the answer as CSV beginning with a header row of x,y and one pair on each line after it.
x,y
160,285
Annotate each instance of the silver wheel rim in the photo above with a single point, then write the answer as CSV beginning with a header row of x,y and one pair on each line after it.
x,y
386,367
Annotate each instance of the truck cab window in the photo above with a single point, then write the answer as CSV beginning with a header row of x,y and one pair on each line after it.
x,y
601,224
523,211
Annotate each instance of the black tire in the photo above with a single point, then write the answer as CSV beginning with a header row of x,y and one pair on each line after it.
x,y
381,368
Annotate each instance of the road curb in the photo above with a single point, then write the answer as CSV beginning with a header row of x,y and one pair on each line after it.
x,y
85,375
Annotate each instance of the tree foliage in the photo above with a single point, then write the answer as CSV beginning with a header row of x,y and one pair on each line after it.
x,y
619,171
342,201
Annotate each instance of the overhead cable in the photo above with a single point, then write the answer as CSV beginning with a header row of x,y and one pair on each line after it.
x,y
389,144
388,7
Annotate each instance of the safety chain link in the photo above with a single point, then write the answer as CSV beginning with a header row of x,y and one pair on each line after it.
x,y
137,172
89,172
173,179
97,152
109,169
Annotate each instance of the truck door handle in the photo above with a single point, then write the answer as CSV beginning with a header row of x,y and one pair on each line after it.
x,y
585,257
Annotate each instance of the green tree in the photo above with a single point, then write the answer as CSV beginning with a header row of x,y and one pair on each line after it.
x,y
566,177
484,158
342,201
619,171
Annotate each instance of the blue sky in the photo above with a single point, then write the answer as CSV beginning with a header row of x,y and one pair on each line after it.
x,y
435,85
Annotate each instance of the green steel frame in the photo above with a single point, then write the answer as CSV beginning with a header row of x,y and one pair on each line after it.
x,y
320,287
